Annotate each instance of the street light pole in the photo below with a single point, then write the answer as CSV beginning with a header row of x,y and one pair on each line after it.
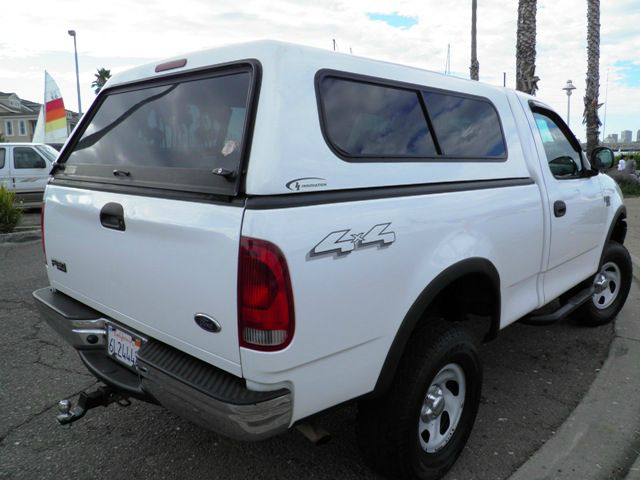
x,y
569,88
75,51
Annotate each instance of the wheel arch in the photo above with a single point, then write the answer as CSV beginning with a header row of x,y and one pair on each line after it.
x,y
467,268
618,228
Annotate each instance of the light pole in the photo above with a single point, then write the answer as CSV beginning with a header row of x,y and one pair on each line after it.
x,y
569,87
75,51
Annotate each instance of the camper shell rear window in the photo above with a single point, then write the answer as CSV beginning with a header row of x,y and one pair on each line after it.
x,y
368,119
175,133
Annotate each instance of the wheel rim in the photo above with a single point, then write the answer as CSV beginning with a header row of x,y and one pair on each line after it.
x,y
606,285
442,408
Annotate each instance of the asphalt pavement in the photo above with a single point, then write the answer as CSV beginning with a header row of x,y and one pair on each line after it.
x,y
534,379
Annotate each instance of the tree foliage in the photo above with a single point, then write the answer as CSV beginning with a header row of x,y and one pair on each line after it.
x,y
10,214
102,75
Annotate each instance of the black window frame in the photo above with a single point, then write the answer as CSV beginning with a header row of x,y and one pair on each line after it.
x,y
573,141
219,187
418,89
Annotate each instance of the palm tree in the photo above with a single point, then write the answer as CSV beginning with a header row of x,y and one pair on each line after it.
x,y
526,79
102,76
475,66
590,117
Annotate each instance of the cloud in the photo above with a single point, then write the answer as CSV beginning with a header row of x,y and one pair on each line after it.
x,y
122,33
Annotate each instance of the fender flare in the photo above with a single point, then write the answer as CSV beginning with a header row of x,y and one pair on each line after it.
x,y
452,273
621,213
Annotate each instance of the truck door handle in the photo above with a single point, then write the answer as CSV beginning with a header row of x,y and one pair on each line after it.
x,y
112,216
559,208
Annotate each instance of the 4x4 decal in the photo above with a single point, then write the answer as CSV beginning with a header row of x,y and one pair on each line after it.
x,y
344,242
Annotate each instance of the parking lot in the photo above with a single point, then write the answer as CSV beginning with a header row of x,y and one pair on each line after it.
x,y
534,377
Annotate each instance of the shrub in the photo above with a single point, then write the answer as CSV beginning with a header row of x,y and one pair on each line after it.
x,y
10,215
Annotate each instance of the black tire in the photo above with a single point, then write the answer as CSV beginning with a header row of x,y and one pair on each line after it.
x,y
388,427
603,307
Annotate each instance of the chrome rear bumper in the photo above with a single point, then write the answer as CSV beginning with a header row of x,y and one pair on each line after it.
x,y
191,388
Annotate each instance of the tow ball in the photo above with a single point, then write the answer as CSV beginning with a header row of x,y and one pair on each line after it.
x,y
101,397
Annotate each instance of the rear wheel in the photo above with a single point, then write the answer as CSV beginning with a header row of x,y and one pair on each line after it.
x,y
418,429
611,284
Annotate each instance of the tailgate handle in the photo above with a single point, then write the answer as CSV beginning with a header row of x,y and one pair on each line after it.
x,y
112,216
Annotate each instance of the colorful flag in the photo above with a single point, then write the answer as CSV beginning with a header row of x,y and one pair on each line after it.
x,y
55,116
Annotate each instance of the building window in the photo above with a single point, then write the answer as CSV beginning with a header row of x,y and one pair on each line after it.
x,y
8,128
22,127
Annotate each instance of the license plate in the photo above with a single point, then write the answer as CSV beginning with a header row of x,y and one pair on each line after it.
x,y
122,346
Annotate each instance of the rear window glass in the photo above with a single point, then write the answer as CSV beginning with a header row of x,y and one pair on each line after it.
x,y
464,126
171,135
372,120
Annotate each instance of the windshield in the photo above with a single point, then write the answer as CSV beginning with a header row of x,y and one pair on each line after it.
x,y
49,152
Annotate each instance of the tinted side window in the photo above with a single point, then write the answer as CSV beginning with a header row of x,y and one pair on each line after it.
x,y
464,126
375,121
2,155
26,157
564,161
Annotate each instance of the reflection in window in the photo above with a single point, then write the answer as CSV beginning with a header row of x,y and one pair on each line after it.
x,y
372,120
563,159
25,157
194,124
465,126
2,155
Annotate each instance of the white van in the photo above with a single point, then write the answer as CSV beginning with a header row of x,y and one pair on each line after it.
x,y
24,169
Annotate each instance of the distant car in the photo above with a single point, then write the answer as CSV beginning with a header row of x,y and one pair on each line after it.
x,y
24,169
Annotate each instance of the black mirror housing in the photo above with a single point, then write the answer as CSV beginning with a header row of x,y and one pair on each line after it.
x,y
602,158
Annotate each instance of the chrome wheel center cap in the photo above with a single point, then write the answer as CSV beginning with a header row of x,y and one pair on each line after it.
x,y
600,282
434,404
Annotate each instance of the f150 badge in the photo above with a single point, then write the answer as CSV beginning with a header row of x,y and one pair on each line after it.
x,y
344,242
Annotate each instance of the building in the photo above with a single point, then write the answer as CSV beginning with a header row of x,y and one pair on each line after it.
x,y
638,136
625,136
18,118
611,138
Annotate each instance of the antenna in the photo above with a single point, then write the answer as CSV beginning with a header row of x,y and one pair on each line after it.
x,y
504,79
334,44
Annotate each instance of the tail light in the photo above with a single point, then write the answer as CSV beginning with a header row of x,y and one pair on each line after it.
x,y
265,299
44,250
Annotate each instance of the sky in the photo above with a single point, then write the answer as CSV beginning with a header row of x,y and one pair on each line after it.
x,y
120,34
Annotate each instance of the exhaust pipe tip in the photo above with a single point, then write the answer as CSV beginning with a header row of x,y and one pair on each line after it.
x,y
314,433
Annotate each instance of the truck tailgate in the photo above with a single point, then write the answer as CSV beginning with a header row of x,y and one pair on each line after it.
x,y
173,260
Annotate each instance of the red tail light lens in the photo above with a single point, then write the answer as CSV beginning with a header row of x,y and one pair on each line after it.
x,y
44,250
265,299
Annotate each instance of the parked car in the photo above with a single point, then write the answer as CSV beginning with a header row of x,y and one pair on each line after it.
x,y
254,234
24,169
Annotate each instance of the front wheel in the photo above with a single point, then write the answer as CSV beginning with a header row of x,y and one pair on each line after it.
x,y
611,287
418,428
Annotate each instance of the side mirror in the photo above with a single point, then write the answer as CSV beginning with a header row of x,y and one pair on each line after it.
x,y
602,158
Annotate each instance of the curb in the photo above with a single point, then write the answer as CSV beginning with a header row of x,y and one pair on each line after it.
x,y
21,237
601,438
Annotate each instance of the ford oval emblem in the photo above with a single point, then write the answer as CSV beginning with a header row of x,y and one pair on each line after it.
x,y
207,323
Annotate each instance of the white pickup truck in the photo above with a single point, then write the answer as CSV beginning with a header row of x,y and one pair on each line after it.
x,y
253,234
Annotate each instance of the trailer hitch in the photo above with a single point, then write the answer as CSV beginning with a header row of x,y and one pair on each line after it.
x,y
103,396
